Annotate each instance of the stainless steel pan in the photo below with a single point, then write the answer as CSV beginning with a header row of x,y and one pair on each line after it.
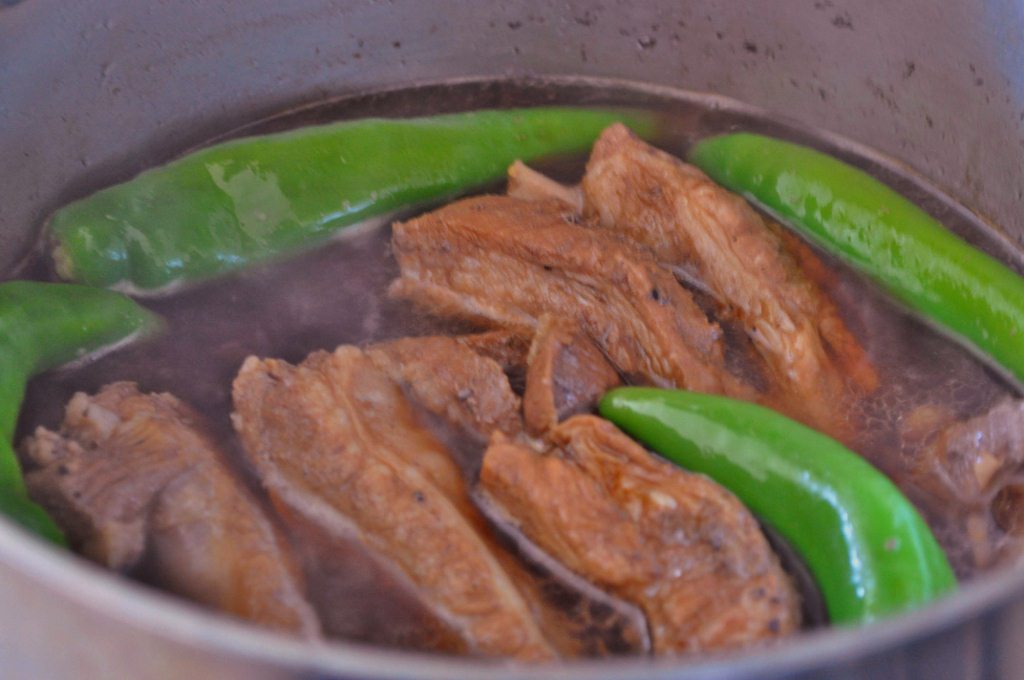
x,y
93,90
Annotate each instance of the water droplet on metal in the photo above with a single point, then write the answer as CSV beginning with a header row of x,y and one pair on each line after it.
x,y
646,42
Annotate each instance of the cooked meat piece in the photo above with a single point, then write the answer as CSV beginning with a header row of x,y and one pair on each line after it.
x,y
502,261
843,347
361,598
567,375
508,348
688,221
971,474
137,484
527,184
924,422
677,544
967,461
467,390
335,441
1008,510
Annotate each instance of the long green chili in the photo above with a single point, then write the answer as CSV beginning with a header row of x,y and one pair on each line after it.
x,y
860,220
238,202
43,325
869,550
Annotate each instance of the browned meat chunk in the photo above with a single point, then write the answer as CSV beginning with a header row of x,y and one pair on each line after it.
x,y
133,478
972,476
502,261
675,543
689,222
467,390
361,598
335,442
508,348
567,375
529,185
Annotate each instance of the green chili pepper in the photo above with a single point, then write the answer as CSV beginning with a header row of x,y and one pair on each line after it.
x,y
867,547
856,218
43,325
242,201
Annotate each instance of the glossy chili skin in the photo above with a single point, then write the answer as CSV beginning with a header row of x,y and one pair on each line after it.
x,y
860,220
868,548
238,202
43,325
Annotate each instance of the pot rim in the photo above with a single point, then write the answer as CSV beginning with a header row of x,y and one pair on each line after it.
x,y
166,616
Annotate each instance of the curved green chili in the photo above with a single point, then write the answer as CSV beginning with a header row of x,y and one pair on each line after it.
x,y
43,325
858,219
242,201
865,544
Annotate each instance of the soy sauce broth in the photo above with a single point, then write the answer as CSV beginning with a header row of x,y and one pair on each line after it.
x,y
336,294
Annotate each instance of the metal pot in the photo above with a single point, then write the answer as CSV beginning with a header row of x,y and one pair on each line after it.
x,y
94,90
